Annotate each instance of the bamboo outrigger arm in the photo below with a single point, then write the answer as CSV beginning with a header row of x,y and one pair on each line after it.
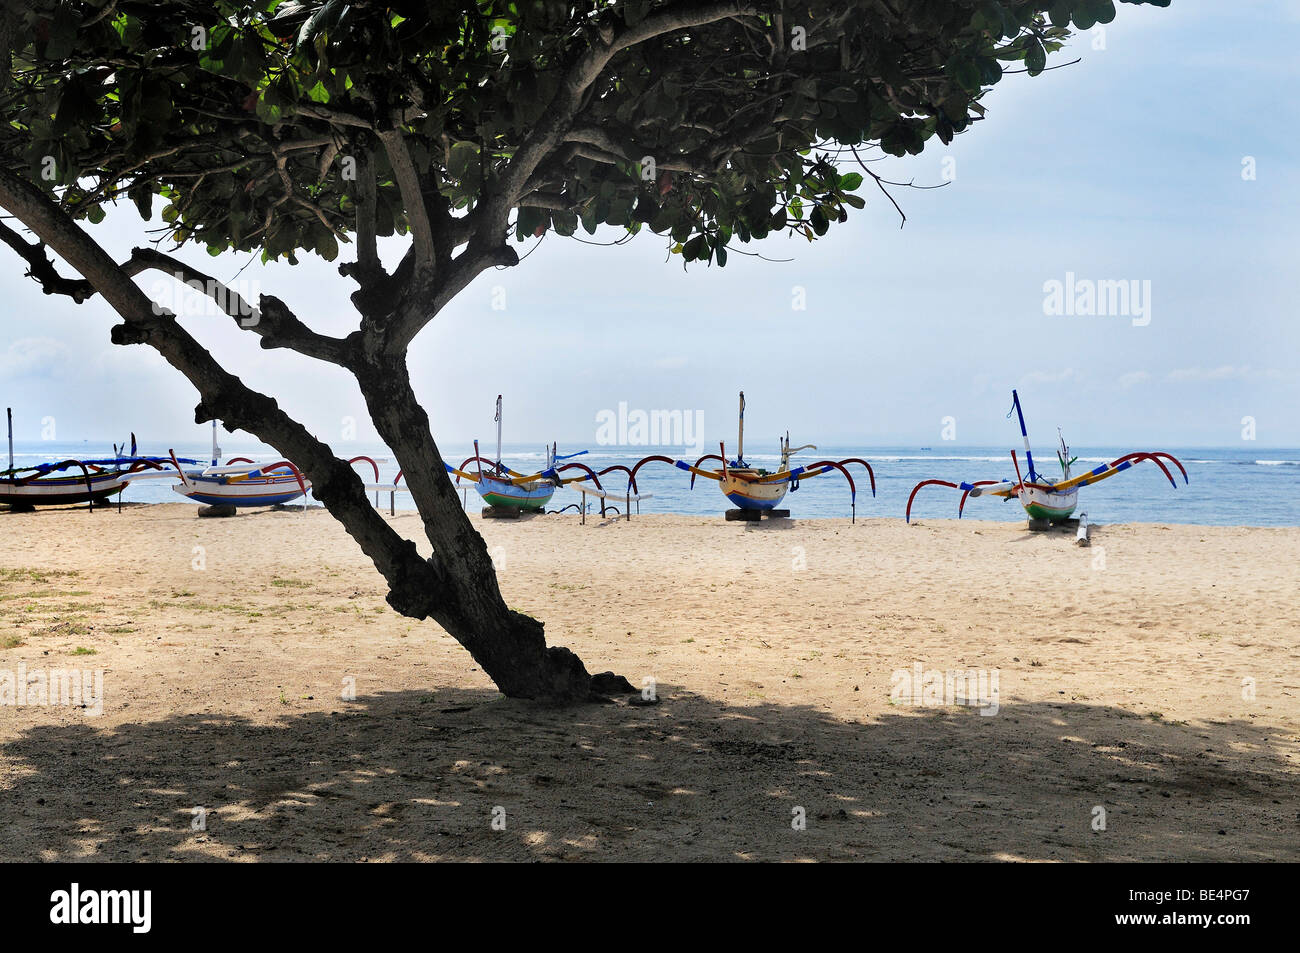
x,y
707,456
591,474
1009,489
916,489
618,466
679,464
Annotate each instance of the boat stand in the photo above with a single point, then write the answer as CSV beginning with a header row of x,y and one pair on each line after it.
x,y
753,516
1078,526
501,513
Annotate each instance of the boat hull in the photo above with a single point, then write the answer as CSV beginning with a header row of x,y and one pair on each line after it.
x,y
216,491
1047,505
749,495
528,496
62,491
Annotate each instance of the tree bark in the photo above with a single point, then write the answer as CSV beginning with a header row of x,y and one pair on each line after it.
x,y
457,587
509,646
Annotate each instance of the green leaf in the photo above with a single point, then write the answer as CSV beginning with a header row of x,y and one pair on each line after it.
x,y
1035,57
328,246
143,199
462,155
155,101
965,73
325,17
819,221
63,32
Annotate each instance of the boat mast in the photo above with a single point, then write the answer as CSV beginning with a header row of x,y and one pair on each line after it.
x,y
498,420
1029,456
1064,454
740,437
9,412
216,451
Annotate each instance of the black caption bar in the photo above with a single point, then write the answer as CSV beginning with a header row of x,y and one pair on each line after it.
x,y
334,903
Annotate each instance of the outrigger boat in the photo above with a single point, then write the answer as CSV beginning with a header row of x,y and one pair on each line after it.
x,y
1046,501
755,490
505,489
241,482
71,482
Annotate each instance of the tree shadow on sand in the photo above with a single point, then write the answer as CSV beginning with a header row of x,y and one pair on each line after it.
x,y
415,775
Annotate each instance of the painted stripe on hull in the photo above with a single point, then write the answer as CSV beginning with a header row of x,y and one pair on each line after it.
x,y
1043,513
56,499
507,502
1053,507
508,495
749,503
749,495
61,491
269,500
262,492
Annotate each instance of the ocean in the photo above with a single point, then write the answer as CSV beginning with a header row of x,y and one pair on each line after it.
x,y
1245,486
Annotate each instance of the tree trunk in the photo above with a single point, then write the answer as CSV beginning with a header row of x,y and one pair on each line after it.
x,y
457,587
510,646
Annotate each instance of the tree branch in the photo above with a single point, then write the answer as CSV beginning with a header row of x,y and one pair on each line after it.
x,y
422,304
271,320
224,396
41,267
408,182
367,267
550,128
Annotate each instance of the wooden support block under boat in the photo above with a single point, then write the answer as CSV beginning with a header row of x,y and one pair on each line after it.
x,y
218,509
1047,526
502,513
754,516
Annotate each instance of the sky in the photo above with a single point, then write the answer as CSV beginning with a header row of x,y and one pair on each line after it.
x,y
1164,160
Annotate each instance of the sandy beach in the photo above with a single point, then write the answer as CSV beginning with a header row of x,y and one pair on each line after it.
x,y
1153,677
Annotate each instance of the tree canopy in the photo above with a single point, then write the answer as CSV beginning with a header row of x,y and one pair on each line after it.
x,y
247,125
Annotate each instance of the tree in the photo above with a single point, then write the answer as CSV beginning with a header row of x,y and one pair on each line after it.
x,y
284,127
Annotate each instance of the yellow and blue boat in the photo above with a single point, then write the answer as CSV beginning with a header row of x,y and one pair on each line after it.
x,y
756,490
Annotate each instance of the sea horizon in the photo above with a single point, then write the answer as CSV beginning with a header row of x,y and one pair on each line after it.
x,y
1226,486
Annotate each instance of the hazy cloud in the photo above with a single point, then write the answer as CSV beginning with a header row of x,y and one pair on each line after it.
x,y
31,356
1224,372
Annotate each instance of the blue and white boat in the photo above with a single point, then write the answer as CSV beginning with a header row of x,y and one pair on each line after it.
x,y
240,482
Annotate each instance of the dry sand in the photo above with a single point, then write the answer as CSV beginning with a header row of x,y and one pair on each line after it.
x,y
773,647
